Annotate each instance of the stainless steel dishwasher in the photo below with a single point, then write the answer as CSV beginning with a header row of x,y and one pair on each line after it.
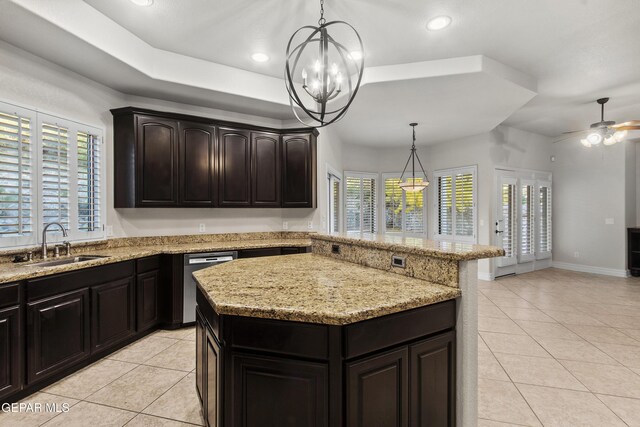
x,y
192,263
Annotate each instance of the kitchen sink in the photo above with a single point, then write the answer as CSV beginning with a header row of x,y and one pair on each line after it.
x,y
71,260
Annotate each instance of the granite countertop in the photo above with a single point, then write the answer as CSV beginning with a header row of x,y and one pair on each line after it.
x,y
417,245
313,288
13,272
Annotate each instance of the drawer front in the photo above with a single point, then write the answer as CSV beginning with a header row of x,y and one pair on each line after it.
x,y
147,264
9,295
388,331
65,282
278,337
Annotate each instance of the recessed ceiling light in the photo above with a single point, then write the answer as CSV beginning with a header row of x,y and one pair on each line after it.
x,y
439,23
260,57
356,55
142,2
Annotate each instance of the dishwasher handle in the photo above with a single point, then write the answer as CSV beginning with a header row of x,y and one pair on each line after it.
x,y
210,260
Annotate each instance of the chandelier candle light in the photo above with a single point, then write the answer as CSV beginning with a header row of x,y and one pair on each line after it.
x,y
413,184
335,76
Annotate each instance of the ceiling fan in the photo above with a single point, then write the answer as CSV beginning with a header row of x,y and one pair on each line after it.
x,y
606,132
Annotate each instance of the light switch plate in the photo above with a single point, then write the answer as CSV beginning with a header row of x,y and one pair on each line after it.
x,y
201,228
608,221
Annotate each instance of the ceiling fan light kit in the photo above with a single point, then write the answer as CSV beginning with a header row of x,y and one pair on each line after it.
x,y
607,132
322,75
413,184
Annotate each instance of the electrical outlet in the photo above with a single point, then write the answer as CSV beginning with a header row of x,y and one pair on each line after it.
x,y
201,228
482,223
109,230
310,225
285,225
608,221
576,254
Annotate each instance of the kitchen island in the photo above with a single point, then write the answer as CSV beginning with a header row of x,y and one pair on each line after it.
x,y
360,332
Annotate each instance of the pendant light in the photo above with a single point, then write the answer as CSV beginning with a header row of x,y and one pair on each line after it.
x,y
413,184
321,75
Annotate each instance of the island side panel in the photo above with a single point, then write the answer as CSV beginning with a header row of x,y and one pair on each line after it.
x,y
467,345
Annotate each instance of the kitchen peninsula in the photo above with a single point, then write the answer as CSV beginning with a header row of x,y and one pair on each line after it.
x,y
364,330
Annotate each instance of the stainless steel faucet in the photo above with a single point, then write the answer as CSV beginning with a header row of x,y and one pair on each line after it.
x,y
44,236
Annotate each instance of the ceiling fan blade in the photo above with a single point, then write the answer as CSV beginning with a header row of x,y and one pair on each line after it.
x,y
635,127
625,125
569,135
574,131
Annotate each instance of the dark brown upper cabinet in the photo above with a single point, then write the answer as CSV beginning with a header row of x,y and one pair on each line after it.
x,y
157,158
235,168
265,169
169,160
198,183
299,171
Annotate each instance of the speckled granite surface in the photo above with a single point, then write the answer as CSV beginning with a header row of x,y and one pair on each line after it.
x,y
438,270
415,245
126,249
314,288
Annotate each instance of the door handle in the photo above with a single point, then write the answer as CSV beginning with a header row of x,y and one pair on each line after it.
x,y
499,231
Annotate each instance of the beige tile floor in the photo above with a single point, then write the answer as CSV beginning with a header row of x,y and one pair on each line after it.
x,y
559,348
556,348
148,383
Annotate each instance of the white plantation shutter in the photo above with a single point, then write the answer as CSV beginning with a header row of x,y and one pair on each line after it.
x,y
360,202
464,204
334,202
456,204
544,220
51,170
54,167
16,176
404,212
509,219
393,204
89,192
527,221
445,206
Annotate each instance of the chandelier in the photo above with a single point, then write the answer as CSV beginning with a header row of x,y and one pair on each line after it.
x,y
322,76
413,184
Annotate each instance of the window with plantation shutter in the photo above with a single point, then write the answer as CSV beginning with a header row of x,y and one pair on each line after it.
x,y
54,168
360,202
334,202
404,212
544,221
16,176
455,205
89,200
509,219
51,170
527,221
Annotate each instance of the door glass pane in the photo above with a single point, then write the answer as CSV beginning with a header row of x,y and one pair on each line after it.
x,y
508,216
368,205
334,204
526,220
545,220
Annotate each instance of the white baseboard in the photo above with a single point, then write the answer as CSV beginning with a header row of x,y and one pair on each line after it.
x,y
486,276
590,269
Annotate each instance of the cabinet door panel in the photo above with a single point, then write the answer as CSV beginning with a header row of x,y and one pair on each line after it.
x,y
433,387
298,171
157,165
265,169
213,380
147,302
112,315
235,168
10,351
201,339
57,333
270,392
377,390
197,160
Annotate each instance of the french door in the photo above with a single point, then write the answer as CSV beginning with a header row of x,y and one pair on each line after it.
x,y
523,221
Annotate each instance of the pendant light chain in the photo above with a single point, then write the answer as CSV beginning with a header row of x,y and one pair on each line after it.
x,y
321,21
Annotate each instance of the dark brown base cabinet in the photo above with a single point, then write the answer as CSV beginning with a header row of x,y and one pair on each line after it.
x,y
10,340
174,160
393,371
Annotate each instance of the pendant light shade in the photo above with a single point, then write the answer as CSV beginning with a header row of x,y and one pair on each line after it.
x,y
321,75
413,184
